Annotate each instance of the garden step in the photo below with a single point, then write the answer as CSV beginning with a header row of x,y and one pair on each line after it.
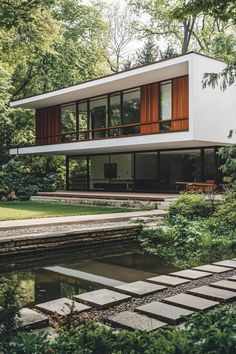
x,y
101,298
191,302
213,293
226,263
31,319
61,306
191,274
233,278
135,321
225,284
164,312
167,280
212,268
139,288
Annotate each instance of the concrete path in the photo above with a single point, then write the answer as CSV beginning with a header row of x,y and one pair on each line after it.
x,y
80,219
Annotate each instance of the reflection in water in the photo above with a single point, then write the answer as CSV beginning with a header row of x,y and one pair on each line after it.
x,y
40,285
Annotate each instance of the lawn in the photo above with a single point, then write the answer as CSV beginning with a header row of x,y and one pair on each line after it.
x,y
31,210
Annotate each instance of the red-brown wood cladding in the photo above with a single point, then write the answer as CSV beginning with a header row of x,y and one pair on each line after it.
x,y
180,103
149,108
48,125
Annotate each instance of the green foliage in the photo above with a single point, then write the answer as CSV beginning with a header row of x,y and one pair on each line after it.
x,y
28,175
191,206
228,156
227,209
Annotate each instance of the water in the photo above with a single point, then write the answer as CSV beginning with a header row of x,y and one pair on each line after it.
x,y
42,284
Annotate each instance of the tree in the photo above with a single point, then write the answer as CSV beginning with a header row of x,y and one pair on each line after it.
x,y
148,53
190,31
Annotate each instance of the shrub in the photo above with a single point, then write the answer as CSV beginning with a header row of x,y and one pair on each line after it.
x,y
191,206
227,209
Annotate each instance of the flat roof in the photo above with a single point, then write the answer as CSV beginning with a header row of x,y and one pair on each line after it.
x,y
141,75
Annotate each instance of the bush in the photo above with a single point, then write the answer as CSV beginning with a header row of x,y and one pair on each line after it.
x,y
227,209
191,206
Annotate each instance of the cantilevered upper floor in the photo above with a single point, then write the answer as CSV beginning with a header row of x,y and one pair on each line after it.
x,y
156,106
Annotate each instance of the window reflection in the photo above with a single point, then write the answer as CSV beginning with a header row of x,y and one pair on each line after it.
x,y
98,117
131,111
165,105
68,122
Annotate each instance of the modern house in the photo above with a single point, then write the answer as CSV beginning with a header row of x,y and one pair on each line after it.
x,y
149,129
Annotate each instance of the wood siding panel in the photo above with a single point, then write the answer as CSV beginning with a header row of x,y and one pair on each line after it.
x,y
149,108
180,103
48,125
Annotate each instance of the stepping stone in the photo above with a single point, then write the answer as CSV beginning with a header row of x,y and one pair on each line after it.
x,y
61,306
213,293
225,284
227,263
101,298
191,274
139,288
233,278
212,268
31,319
167,280
135,321
164,312
190,302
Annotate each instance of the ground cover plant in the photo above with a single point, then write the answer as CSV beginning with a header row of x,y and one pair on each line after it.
x,y
29,210
196,231
204,333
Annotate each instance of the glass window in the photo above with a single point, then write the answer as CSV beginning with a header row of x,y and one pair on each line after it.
x,y
98,117
115,114
68,122
98,172
83,119
78,173
209,165
122,172
179,166
131,111
165,105
146,171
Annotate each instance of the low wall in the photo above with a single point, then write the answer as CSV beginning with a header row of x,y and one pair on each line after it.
x,y
105,237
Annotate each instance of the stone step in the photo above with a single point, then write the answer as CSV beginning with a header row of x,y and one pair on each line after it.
x,y
212,268
227,263
168,280
233,278
213,293
61,306
164,312
139,288
31,319
190,302
87,277
191,274
102,298
225,284
135,321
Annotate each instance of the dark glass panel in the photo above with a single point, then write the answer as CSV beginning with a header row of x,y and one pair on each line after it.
x,y
98,116
115,114
83,120
68,122
209,165
78,173
131,111
146,171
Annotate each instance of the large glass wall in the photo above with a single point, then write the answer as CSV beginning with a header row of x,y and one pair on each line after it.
x,y
131,111
115,114
98,117
152,171
68,122
83,120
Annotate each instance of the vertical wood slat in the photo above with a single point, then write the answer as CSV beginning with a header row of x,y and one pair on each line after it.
x,y
180,103
149,108
47,125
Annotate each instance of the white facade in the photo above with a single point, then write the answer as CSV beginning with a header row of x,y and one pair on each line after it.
x,y
212,112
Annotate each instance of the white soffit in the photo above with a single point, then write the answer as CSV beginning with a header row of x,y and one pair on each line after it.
x,y
159,71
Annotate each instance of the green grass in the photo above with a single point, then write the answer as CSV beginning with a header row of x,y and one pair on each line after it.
x,y
31,210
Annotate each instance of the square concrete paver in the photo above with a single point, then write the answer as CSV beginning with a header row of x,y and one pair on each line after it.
x,y
212,268
191,274
165,312
167,280
102,298
31,319
213,293
225,284
139,288
190,302
61,306
135,321
228,263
